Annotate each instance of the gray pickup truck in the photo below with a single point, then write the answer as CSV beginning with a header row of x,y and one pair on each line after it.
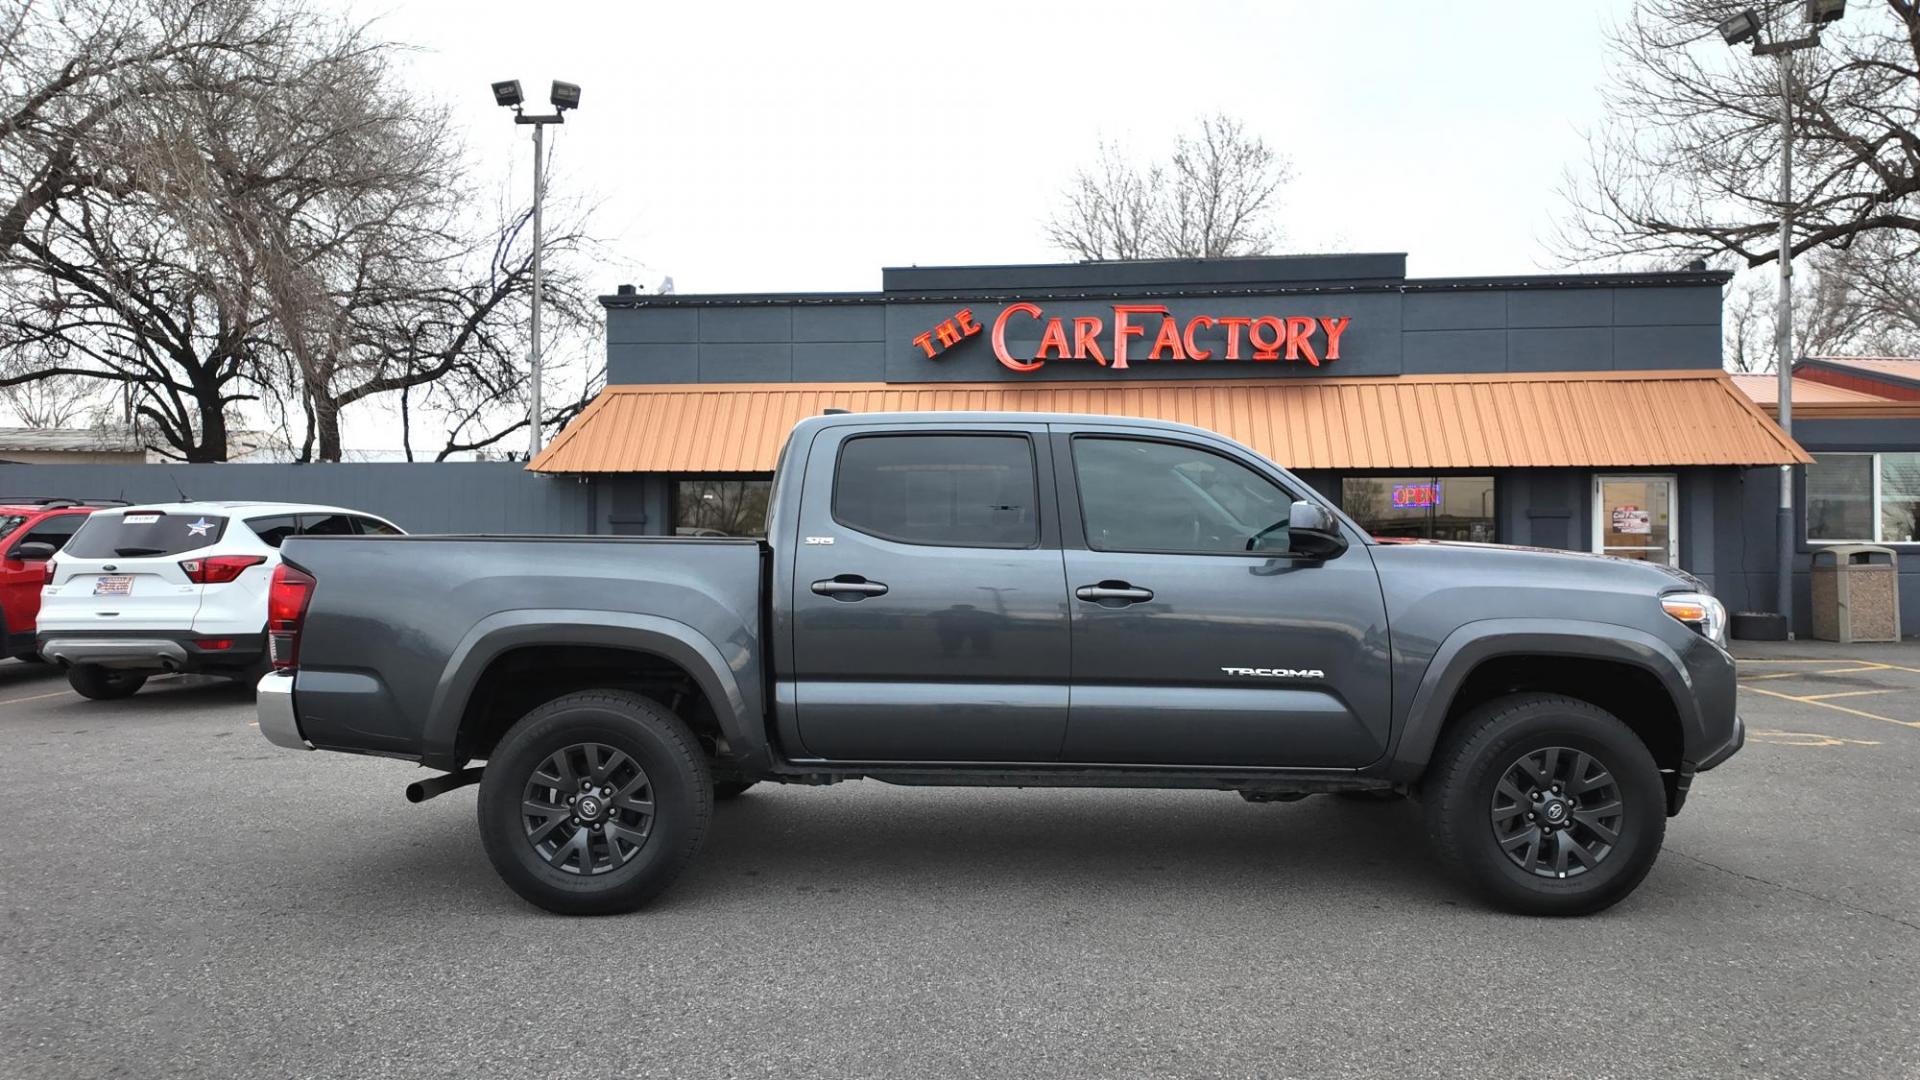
x,y
1020,600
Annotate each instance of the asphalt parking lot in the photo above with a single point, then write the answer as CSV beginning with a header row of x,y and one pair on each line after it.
x,y
179,898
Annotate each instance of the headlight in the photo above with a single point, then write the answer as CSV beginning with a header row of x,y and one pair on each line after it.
x,y
1702,612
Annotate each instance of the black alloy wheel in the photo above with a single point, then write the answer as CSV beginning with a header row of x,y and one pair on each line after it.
x,y
595,802
588,809
1557,812
1544,804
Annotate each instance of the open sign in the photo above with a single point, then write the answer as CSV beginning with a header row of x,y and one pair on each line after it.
x,y
1416,496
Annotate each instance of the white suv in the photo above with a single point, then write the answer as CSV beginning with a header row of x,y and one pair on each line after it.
x,y
173,587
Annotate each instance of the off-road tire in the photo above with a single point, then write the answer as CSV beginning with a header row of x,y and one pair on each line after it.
x,y
681,797
104,684
1458,797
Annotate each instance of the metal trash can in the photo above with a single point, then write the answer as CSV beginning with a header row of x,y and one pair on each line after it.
x,y
1856,593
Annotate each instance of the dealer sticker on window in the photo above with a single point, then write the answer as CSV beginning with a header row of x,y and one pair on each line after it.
x,y
114,585
140,519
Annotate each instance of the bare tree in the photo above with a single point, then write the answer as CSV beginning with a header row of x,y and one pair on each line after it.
x,y
1688,163
70,71
1215,195
63,401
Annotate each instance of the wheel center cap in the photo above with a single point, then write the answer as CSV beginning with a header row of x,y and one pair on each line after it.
x,y
1554,811
590,807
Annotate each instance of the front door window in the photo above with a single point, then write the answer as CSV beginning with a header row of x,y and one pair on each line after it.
x,y
1634,517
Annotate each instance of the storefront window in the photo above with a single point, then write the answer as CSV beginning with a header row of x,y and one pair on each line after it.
x,y
1633,517
720,507
1422,507
1900,498
1874,498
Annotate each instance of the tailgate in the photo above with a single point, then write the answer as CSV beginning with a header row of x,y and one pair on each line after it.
x,y
122,571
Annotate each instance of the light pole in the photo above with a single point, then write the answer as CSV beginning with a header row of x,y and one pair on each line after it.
x,y
564,96
1739,30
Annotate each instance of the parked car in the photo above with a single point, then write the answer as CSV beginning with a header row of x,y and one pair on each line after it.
x,y
1013,599
174,587
32,530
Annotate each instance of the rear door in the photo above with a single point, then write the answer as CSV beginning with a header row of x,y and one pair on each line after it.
x,y
1196,641
122,571
929,615
21,579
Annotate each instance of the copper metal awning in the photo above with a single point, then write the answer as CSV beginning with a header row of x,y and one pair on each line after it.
x,y
1585,419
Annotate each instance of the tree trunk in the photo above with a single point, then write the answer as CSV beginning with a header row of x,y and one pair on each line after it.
x,y
326,425
212,444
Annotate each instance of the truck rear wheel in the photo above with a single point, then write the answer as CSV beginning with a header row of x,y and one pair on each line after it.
x,y
104,684
1545,805
594,803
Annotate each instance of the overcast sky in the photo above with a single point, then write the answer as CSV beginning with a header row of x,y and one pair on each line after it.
x,y
783,146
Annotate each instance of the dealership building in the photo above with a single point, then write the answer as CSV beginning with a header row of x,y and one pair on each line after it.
x,y
1587,412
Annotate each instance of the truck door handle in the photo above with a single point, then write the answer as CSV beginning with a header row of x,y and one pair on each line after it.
x,y
1114,593
848,587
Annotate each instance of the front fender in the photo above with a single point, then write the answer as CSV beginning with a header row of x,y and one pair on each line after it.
x,y
731,684
1473,643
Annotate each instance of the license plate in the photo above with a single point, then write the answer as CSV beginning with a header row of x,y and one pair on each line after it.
x,y
114,585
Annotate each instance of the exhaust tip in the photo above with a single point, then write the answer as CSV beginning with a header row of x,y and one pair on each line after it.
x,y
416,793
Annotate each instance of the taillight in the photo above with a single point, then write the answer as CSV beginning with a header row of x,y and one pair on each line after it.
x,y
46,573
218,569
287,600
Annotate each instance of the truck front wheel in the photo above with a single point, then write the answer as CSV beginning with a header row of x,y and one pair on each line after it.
x,y
594,803
1545,804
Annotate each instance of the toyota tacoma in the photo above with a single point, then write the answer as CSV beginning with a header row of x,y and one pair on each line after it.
x,y
1018,600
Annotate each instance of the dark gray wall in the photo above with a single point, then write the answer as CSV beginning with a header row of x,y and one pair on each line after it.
x,y
471,497
1399,326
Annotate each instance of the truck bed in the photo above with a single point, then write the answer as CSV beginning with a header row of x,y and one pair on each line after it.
x,y
395,622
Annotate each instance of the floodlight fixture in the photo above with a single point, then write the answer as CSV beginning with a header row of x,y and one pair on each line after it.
x,y
565,95
1742,28
1822,12
507,94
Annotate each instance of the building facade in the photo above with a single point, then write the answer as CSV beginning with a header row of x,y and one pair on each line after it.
x,y
1583,412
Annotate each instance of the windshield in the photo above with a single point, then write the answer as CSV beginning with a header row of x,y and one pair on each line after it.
x,y
139,533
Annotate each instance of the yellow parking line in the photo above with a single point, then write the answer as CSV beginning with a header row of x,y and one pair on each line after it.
x,y
37,697
1770,660
1808,739
1774,675
1835,708
1846,670
1846,693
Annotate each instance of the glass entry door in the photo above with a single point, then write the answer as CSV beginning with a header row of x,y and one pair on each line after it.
x,y
1633,517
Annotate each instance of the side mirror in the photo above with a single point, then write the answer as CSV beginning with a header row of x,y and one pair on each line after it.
x,y
1312,532
32,551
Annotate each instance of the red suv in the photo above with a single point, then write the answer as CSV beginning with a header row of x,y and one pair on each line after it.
x,y
24,522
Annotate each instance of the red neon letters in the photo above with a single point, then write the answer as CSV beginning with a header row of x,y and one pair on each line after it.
x,y
1268,338
949,333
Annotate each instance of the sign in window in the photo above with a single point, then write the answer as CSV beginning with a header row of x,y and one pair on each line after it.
x,y
1422,507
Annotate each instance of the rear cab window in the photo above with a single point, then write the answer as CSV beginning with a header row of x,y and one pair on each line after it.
x,y
138,533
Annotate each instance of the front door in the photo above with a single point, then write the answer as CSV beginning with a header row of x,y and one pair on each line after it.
x,y
1196,640
1634,517
929,602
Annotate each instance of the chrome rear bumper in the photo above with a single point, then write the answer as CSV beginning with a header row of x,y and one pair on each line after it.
x,y
273,702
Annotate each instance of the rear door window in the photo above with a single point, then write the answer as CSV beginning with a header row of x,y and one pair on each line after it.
x,y
55,530
376,527
272,530
139,533
326,525
944,490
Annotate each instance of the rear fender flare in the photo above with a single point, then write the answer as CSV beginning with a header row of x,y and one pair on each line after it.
x,y
1474,643
668,639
